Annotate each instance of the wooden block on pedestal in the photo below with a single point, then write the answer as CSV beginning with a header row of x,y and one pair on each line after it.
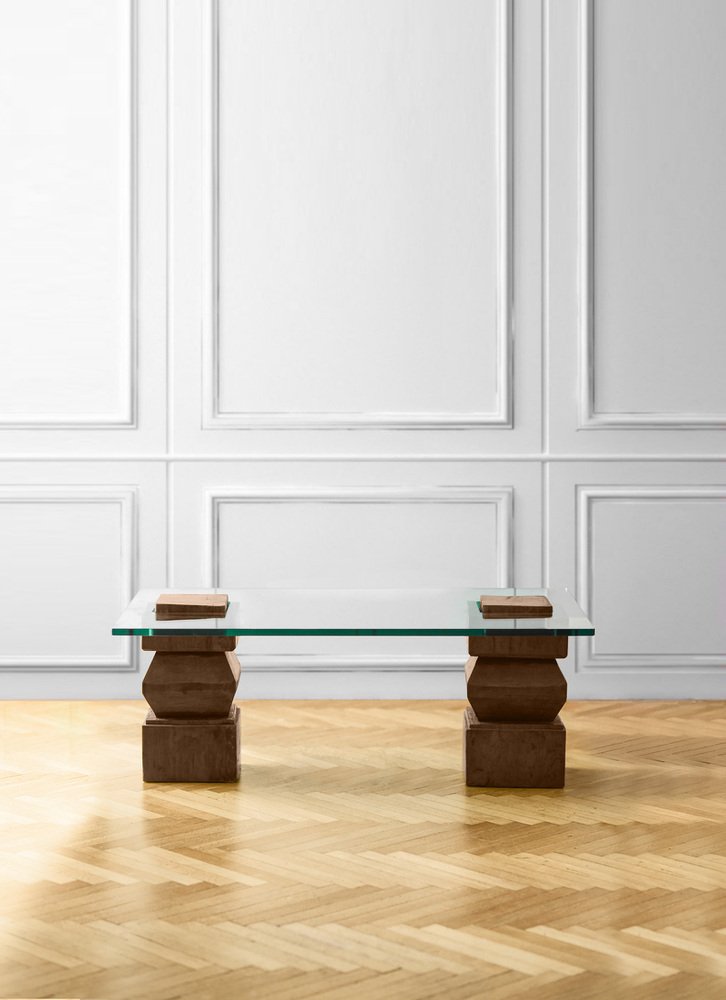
x,y
513,754
191,749
191,685
498,606
172,607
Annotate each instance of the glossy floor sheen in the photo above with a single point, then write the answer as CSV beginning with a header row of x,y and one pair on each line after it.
x,y
352,862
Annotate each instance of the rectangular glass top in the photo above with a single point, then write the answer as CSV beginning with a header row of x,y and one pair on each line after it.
x,y
356,612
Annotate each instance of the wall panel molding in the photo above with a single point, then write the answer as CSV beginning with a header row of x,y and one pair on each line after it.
x,y
213,417
357,662
587,497
501,497
127,502
319,662
127,419
590,418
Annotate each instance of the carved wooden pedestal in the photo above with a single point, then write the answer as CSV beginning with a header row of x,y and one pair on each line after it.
x,y
513,737
192,732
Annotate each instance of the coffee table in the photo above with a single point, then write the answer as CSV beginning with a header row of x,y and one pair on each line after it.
x,y
513,736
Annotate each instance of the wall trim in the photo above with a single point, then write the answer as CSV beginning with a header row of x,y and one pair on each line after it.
x,y
213,417
589,417
655,663
328,663
128,419
501,497
127,660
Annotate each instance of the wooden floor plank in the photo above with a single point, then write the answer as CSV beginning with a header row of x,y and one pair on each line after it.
x,y
352,862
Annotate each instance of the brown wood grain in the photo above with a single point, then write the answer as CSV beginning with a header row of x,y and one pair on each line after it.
x,y
189,643
513,755
191,685
544,647
171,607
509,690
494,606
183,750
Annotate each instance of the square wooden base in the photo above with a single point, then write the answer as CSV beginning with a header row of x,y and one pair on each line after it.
x,y
191,749
513,754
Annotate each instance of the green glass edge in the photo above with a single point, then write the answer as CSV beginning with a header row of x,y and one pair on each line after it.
x,y
355,631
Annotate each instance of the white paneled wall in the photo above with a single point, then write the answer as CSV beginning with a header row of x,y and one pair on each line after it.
x,y
77,537
68,74
376,293
380,134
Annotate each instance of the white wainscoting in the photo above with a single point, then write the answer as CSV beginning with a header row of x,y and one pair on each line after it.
x,y
82,216
644,548
672,622
345,175
378,293
651,234
364,537
390,123
73,152
48,532
635,210
77,538
339,525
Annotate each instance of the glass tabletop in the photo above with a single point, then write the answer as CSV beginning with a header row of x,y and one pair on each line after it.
x,y
357,612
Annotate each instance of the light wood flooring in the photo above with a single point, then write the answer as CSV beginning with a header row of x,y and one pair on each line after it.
x,y
351,860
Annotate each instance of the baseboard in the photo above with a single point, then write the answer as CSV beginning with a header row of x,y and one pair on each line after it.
x,y
263,684
362,683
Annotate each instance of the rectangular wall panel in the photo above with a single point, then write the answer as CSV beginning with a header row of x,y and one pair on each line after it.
x,y
344,216
357,538
67,213
643,548
359,223
654,204
650,559
353,525
634,213
350,538
77,539
69,564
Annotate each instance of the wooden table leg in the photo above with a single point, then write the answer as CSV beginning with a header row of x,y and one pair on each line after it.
x,y
192,731
513,736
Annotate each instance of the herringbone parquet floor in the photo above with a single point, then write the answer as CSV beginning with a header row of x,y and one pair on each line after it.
x,y
351,861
